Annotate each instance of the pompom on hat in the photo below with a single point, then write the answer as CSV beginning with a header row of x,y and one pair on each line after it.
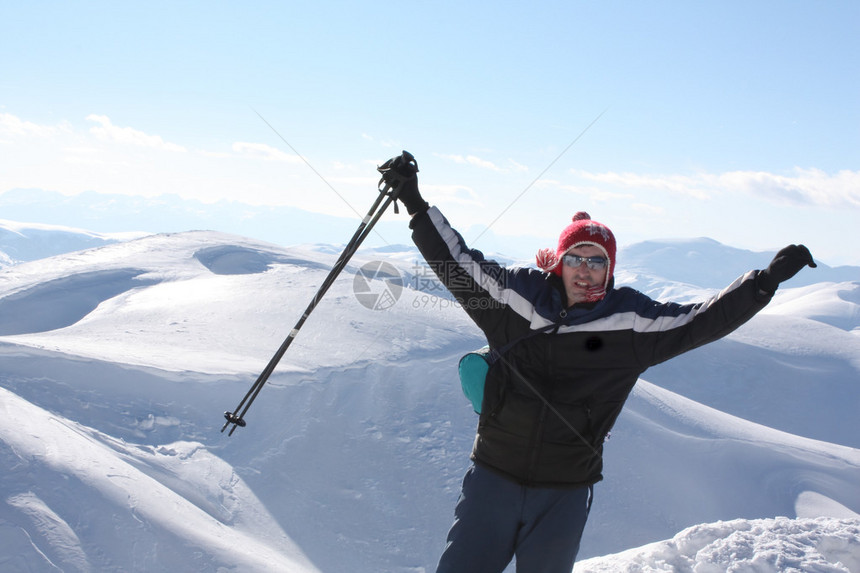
x,y
582,231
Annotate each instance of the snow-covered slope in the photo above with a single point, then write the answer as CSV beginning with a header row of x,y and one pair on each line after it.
x,y
672,462
821,545
20,242
226,300
79,500
117,362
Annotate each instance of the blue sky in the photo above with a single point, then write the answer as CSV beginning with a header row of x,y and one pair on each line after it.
x,y
739,121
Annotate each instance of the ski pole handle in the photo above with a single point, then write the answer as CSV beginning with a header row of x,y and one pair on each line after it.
x,y
399,173
398,169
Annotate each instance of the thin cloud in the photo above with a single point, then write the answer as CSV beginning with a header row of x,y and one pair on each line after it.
x,y
517,166
471,160
801,187
107,131
263,151
454,194
593,192
698,186
647,209
13,125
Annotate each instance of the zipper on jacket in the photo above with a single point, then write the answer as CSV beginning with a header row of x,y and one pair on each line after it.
x,y
535,446
537,439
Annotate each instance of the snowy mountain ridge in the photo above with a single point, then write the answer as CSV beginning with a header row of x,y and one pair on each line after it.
x,y
116,362
22,242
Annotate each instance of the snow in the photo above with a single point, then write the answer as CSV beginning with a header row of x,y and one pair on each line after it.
x,y
755,546
180,496
30,241
116,363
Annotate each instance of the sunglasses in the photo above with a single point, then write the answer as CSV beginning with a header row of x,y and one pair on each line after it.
x,y
593,263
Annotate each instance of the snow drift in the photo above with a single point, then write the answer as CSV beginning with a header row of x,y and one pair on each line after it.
x,y
760,545
116,363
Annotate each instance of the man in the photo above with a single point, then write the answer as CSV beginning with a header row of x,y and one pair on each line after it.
x,y
579,345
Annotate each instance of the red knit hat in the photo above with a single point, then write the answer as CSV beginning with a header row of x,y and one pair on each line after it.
x,y
583,231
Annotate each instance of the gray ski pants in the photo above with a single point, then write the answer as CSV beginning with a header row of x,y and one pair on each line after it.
x,y
497,519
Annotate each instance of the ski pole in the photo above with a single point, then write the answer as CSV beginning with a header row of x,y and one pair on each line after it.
x,y
237,418
389,193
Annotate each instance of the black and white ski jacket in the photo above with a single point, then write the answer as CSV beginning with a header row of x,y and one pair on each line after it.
x,y
583,370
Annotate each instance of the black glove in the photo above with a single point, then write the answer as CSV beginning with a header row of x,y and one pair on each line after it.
x,y
784,265
400,174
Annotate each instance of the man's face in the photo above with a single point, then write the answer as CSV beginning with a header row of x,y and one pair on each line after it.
x,y
578,280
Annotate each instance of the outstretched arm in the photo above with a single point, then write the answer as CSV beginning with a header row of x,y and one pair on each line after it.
x,y
674,329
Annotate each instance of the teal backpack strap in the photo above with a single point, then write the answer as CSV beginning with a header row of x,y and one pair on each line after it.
x,y
473,367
